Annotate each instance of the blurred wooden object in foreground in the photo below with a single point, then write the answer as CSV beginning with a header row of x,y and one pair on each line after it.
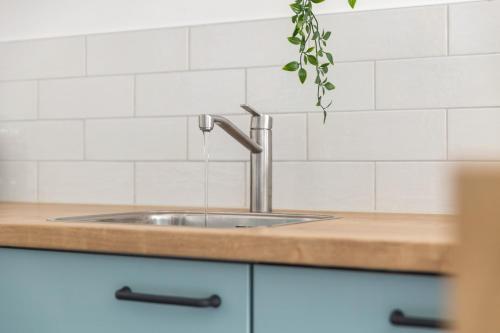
x,y
478,286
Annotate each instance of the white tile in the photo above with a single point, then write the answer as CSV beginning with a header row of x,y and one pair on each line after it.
x,y
44,140
289,139
475,27
137,52
190,93
323,186
86,182
415,187
474,134
378,135
136,139
18,100
45,58
87,97
463,81
274,90
221,146
385,34
182,184
258,43
18,181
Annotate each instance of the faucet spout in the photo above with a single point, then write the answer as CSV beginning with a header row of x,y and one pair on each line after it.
x,y
206,123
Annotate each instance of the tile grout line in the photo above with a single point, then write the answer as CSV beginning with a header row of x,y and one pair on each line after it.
x,y
84,142
37,100
447,136
213,69
375,85
256,20
86,56
188,48
246,85
307,136
37,181
178,116
134,183
134,111
187,138
447,28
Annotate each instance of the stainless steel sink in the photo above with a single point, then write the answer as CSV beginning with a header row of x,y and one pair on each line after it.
x,y
196,219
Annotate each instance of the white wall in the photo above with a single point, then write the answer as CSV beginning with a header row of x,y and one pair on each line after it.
x,y
27,19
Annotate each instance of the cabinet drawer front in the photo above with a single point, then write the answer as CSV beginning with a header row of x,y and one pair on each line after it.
x,y
298,300
57,292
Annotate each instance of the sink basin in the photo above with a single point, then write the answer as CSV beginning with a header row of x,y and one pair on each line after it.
x,y
196,219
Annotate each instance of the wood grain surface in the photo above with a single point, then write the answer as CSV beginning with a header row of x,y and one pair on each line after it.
x,y
375,241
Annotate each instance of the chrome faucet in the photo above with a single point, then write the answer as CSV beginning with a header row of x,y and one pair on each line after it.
x,y
261,155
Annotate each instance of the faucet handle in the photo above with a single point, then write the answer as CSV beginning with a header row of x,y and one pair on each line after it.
x,y
250,110
259,120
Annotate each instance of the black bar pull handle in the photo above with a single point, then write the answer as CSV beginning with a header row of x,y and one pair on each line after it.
x,y
398,318
126,294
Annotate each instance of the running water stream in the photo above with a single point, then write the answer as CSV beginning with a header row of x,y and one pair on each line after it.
x,y
206,155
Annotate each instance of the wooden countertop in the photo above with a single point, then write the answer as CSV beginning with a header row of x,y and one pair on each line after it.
x,y
395,242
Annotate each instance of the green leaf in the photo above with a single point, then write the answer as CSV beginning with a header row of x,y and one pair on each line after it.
x,y
294,40
309,50
329,57
327,35
302,75
297,8
329,86
317,1
316,35
352,3
312,59
291,66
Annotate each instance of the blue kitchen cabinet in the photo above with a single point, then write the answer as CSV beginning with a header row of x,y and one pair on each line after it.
x,y
61,292
311,300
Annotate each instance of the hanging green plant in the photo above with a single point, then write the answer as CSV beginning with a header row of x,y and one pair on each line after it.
x,y
312,49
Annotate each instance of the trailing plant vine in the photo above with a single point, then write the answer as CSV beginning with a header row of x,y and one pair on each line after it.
x,y
312,49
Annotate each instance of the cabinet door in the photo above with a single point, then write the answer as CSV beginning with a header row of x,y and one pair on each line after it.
x,y
57,292
299,300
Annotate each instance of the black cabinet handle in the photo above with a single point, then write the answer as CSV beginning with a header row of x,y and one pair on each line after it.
x,y
127,294
398,318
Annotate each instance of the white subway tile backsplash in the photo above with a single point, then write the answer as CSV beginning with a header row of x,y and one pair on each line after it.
x,y
273,90
138,52
87,97
86,182
136,139
190,93
386,149
475,27
45,58
18,181
182,184
324,186
43,140
378,135
415,187
18,100
474,134
246,44
386,34
462,81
